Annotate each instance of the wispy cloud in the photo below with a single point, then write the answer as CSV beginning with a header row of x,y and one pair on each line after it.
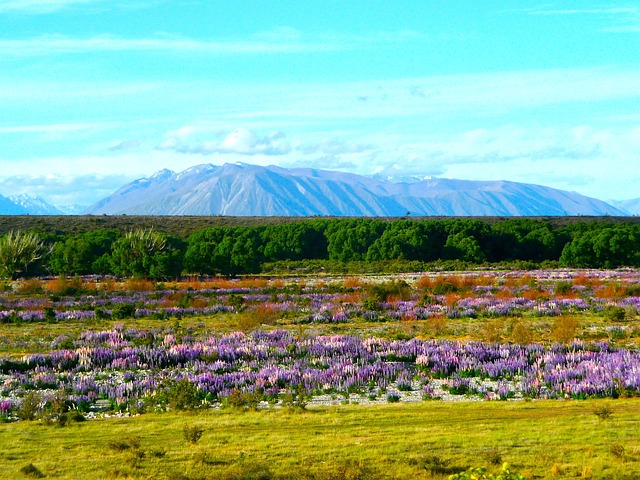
x,y
279,40
43,7
58,44
64,190
58,128
39,6
619,18
549,10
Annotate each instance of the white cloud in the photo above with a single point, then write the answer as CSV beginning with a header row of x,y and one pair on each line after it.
x,y
242,141
126,145
39,6
333,146
49,129
63,190
546,10
59,44
620,18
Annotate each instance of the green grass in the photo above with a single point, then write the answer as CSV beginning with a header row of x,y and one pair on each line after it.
x,y
546,439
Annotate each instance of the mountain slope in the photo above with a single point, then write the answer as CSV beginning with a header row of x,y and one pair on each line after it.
x,y
630,206
9,207
35,205
240,189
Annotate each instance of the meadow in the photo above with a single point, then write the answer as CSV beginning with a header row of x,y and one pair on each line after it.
x,y
397,376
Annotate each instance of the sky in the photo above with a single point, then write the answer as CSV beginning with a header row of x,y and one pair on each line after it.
x,y
97,93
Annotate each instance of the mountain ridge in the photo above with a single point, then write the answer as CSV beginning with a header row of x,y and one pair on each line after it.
x,y
252,190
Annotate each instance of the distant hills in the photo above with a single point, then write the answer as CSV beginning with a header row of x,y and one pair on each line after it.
x,y
251,190
29,205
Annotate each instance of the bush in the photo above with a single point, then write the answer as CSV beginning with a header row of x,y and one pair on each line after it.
x,y
182,395
393,398
19,252
564,329
480,474
395,289
243,400
603,413
434,464
31,470
131,443
123,310
192,433
296,399
614,314
31,406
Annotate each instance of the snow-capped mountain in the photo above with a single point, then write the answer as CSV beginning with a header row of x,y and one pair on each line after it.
x,y
632,207
9,207
35,205
24,204
240,189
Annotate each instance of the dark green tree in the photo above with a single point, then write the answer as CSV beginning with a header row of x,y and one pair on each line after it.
x,y
145,253
83,254
350,239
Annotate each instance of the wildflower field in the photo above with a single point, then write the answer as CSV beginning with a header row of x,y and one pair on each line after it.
x,y
431,371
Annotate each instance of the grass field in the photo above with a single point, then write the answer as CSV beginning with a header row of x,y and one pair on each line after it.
x,y
546,439
540,439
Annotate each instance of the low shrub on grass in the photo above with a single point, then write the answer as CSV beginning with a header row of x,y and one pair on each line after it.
x,y
30,470
480,474
181,395
192,433
295,399
131,443
617,450
433,464
604,412
123,310
242,400
393,397
31,406
565,329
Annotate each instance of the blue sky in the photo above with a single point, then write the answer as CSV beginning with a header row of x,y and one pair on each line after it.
x,y
95,93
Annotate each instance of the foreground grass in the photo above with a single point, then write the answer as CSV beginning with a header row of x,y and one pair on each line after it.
x,y
547,439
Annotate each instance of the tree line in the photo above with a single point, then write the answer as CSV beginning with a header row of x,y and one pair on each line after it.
x,y
235,250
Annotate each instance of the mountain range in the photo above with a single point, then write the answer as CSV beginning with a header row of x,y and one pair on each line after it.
x,y
241,189
251,190
27,205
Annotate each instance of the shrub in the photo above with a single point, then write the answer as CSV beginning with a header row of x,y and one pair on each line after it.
x,y
603,413
31,406
522,333
564,329
480,474
434,464
243,400
382,292
20,251
393,397
493,456
131,443
182,395
31,470
192,433
614,314
493,330
296,399
29,287
123,310
617,450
